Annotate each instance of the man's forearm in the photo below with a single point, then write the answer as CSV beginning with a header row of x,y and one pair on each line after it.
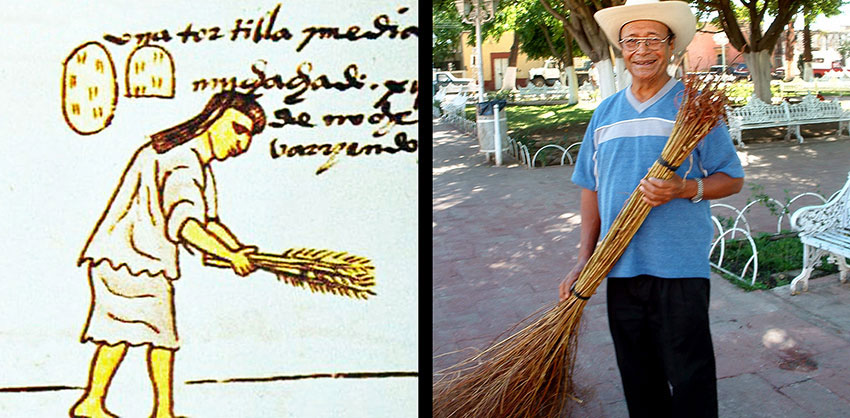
x,y
223,234
715,186
194,233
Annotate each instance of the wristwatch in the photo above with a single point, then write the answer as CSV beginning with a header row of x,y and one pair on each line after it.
x,y
698,197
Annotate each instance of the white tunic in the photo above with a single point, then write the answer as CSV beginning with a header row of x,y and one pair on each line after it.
x,y
157,194
133,248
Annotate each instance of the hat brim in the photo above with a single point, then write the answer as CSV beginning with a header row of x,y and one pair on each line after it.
x,y
676,15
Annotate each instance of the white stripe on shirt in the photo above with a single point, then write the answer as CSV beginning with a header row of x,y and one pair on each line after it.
x,y
641,127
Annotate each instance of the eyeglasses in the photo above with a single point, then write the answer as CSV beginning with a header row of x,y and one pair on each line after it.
x,y
653,44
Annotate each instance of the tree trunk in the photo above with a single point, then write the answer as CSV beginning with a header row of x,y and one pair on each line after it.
x,y
509,79
621,75
573,82
790,70
569,74
759,65
789,52
589,37
607,86
756,45
808,74
807,52
512,58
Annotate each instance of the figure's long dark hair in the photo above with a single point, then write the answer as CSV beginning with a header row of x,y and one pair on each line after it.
x,y
246,103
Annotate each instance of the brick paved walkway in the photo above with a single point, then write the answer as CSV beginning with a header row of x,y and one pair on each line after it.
x,y
503,238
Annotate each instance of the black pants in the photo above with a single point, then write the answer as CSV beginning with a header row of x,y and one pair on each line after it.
x,y
663,344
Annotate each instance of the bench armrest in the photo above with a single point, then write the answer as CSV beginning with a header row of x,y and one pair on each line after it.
x,y
818,218
813,219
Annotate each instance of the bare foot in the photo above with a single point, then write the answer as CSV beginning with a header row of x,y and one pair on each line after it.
x,y
90,408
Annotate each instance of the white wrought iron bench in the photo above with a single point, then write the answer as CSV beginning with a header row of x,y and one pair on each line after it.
x,y
587,92
532,92
758,114
453,109
824,230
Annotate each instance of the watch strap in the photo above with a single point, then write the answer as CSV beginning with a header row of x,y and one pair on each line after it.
x,y
698,197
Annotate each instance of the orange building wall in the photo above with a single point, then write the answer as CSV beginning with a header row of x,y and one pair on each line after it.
x,y
703,53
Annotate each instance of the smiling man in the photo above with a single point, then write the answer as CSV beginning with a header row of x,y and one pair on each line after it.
x,y
166,197
658,292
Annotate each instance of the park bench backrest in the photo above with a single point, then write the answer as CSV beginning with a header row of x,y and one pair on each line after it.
x,y
830,109
813,108
757,111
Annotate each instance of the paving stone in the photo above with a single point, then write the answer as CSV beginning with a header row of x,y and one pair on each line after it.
x,y
749,396
837,382
779,377
729,301
783,329
615,409
817,399
595,319
738,353
594,404
826,300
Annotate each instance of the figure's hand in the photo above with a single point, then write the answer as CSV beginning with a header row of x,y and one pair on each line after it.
x,y
567,283
240,262
657,192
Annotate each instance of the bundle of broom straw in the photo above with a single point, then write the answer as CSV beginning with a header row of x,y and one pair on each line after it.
x,y
529,374
323,271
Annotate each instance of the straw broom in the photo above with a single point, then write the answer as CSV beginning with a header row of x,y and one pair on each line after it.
x,y
529,374
322,271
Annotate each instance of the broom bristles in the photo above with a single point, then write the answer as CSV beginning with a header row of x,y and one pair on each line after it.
x,y
529,374
511,378
323,271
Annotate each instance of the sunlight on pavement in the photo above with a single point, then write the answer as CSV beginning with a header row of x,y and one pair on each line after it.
x,y
572,221
440,170
446,203
571,217
777,338
747,158
505,265
810,152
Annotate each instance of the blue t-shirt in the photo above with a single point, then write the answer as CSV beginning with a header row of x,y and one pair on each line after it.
x,y
622,141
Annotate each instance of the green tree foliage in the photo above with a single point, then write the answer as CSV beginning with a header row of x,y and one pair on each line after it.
x,y
540,35
757,36
815,8
447,30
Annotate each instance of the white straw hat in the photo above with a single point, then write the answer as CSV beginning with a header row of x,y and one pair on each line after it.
x,y
676,15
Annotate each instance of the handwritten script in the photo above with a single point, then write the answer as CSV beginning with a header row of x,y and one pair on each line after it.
x,y
394,102
267,30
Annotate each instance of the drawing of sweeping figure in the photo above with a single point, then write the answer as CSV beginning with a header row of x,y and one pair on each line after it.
x,y
167,197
